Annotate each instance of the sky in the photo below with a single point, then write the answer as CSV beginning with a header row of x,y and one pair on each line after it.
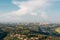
x,y
29,11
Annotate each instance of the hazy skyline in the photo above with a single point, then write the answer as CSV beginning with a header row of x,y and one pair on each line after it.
x,y
30,11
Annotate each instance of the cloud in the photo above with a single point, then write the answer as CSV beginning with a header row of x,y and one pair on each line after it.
x,y
44,15
31,7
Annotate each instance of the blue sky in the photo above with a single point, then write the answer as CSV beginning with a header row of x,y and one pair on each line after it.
x,y
29,10
7,6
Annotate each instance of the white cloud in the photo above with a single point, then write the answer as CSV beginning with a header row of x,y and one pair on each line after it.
x,y
33,14
44,15
27,7
30,6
